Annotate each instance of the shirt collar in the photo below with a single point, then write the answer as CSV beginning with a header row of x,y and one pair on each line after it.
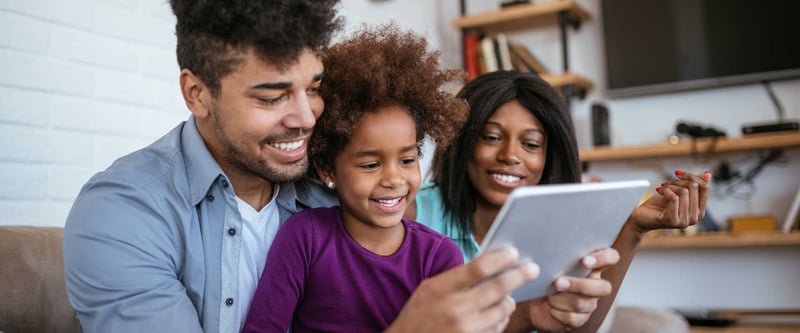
x,y
201,168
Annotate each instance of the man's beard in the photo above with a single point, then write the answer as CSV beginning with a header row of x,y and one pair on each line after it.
x,y
257,165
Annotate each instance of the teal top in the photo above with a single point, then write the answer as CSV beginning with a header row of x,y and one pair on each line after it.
x,y
431,212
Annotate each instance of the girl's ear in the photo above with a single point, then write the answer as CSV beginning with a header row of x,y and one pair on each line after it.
x,y
325,176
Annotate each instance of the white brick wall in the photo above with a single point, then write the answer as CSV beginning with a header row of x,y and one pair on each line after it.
x,y
82,82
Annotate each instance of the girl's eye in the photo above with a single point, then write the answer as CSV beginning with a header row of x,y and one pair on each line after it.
x,y
369,166
407,161
271,101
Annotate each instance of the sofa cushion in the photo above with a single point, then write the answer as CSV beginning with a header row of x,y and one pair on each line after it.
x,y
34,296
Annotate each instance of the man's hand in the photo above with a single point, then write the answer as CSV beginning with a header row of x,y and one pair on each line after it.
x,y
469,298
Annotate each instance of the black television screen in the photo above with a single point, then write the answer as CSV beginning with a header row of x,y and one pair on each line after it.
x,y
657,46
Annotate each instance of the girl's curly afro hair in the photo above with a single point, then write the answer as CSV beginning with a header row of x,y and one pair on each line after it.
x,y
382,67
213,34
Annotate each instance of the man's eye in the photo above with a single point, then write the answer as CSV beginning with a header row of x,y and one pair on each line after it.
x,y
271,101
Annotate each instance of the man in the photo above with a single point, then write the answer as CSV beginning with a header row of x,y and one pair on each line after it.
x,y
173,238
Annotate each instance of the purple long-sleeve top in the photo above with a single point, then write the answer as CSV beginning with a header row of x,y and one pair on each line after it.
x,y
317,278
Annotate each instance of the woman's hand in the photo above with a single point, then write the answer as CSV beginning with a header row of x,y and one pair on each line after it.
x,y
679,203
576,299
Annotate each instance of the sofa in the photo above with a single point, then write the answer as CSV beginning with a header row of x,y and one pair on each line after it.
x,y
33,296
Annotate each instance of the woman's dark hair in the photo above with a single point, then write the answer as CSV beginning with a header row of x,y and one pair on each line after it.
x,y
381,67
485,95
213,35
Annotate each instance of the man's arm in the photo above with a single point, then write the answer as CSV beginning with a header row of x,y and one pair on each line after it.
x,y
469,298
120,261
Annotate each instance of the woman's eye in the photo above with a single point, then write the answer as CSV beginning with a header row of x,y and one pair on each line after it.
x,y
313,90
531,145
490,138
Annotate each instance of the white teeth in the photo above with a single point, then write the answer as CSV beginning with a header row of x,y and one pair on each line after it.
x,y
506,178
389,203
287,146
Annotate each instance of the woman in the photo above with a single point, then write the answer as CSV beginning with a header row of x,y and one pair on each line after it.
x,y
518,133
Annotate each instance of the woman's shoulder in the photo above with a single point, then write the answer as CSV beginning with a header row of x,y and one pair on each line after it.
x,y
429,194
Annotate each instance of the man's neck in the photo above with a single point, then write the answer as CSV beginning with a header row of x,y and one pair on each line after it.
x,y
255,191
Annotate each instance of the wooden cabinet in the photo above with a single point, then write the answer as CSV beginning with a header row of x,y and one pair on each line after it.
x,y
563,13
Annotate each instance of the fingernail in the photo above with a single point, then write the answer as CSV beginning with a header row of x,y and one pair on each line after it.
x,y
562,284
531,269
512,251
663,184
589,261
658,189
678,172
708,172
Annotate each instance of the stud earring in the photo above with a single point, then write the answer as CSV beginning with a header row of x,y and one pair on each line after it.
x,y
330,184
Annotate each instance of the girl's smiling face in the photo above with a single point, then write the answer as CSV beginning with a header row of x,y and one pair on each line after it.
x,y
377,174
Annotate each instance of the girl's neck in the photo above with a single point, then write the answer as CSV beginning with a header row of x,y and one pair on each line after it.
x,y
482,219
379,240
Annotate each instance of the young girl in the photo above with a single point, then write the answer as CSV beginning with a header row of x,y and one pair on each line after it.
x,y
352,268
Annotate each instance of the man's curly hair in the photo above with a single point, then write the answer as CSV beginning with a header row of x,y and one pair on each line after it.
x,y
382,67
214,34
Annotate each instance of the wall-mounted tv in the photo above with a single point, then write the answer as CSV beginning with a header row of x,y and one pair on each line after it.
x,y
659,46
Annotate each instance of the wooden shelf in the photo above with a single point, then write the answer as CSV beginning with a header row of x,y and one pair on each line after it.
x,y
701,147
723,239
557,81
748,329
568,78
521,16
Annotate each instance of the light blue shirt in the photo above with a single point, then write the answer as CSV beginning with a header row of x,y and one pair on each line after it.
x,y
431,212
152,243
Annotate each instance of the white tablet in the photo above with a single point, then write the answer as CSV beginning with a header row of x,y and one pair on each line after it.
x,y
557,225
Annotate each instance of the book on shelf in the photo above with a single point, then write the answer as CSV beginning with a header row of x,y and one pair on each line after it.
x,y
471,56
792,220
489,56
504,60
525,60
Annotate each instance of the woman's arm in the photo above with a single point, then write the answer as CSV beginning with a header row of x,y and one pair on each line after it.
x,y
680,204
586,302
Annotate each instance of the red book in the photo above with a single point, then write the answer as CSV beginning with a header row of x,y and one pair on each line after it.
x,y
470,56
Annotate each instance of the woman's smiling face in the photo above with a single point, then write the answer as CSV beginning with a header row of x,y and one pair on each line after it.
x,y
510,152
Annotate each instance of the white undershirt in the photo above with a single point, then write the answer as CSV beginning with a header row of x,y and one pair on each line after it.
x,y
258,232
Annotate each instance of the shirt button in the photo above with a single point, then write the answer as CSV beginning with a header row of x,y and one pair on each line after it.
x,y
224,183
232,231
210,197
229,301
